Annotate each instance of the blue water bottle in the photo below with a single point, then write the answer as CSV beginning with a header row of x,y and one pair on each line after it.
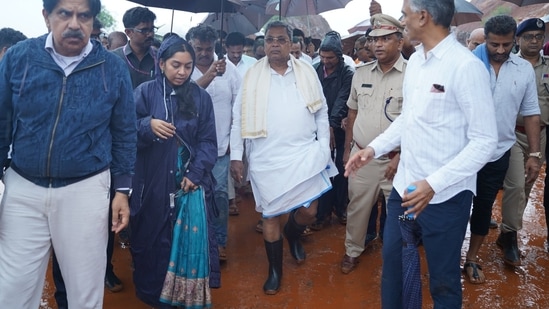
x,y
410,189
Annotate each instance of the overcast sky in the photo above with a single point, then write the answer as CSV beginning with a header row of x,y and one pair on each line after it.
x,y
26,15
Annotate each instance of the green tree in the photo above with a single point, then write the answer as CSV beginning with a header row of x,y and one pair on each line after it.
x,y
105,17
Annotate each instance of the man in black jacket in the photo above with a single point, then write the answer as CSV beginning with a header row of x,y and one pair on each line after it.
x,y
336,78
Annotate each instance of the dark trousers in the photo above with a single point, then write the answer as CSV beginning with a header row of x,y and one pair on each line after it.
x,y
337,198
489,180
443,229
372,222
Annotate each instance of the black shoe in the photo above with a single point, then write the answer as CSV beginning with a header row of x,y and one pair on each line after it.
x,y
112,283
508,242
493,224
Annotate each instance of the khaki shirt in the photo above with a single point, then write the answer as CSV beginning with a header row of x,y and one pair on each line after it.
x,y
377,98
542,80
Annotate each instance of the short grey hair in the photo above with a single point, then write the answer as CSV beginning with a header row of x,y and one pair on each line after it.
x,y
442,11
279,24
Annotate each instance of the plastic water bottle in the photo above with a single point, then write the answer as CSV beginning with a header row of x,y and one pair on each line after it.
x,y
410,189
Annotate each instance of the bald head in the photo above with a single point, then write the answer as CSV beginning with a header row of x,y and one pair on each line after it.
x,y
116,39
475,38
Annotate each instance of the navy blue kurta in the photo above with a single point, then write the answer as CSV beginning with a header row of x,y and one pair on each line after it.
x,y
152,217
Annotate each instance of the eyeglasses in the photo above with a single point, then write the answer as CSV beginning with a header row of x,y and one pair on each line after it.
x,y
530,37
358,49
145,31
279,40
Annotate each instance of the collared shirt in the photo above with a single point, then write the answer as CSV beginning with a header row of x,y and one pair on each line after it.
x,y
140,71
68,64
447,129
223,90
541,69
244,64
513,91
377,98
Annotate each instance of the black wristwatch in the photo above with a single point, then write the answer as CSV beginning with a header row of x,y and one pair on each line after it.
x,y
127,191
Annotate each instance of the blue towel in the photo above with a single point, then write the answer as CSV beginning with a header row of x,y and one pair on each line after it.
x,y
482,53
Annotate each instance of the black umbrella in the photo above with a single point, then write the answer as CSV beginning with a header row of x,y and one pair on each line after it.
x,y
194,6
411,280
527,2
465,13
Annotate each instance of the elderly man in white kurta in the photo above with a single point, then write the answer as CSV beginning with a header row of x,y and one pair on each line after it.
x,y
281,114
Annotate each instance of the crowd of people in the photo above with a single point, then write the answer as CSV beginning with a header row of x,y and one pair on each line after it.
x,y
123,133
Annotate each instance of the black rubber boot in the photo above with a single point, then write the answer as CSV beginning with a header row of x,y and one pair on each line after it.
x,y
508,242
293,232
274,255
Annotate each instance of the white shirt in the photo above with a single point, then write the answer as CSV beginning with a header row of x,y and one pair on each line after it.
x,y
448,135
223,90
514,90
68,64
244,64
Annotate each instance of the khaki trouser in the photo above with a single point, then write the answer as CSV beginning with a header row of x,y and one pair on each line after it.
x,y
363,194
515,189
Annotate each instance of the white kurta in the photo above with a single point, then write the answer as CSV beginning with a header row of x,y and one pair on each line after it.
x,y
291,166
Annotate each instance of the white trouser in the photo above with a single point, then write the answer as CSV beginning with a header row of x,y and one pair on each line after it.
x,y
73,219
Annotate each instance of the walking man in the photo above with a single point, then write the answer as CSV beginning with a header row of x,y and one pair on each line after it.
x,y
447,132
68,111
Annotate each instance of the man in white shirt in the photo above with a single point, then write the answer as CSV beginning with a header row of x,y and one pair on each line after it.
x,y
281,114
514,89
221,80
447,132
234,43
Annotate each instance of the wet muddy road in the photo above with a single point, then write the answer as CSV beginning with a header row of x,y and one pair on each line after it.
x,y
319,283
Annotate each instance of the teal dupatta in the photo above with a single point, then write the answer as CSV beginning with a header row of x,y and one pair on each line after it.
x,y
187,280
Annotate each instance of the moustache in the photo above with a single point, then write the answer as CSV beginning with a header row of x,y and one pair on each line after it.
x,y
77,34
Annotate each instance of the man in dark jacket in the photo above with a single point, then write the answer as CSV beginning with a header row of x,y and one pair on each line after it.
x,y
67,110
335,77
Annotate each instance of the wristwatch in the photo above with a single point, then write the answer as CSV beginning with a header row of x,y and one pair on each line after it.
x,y
127,191
535,154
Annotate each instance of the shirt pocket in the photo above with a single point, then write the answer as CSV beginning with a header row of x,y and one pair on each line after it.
x,y
364,97
393,104
434,107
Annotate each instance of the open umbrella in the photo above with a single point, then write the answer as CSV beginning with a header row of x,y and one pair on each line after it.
x,y
361,26
527,2
233,22
193,6
303,7
465,13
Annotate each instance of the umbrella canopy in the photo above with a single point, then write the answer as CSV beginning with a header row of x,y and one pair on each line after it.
x,y
361,26
233,22
194,6
527,2
303,7
465,13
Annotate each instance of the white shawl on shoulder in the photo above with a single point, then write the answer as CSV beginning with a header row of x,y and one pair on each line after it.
x,y
255,94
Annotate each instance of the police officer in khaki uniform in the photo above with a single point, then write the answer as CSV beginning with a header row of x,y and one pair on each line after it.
x,y
530,37
375,101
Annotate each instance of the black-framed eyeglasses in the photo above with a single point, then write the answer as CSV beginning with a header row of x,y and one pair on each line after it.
x,y
145,31
358,49
529,37
279,40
